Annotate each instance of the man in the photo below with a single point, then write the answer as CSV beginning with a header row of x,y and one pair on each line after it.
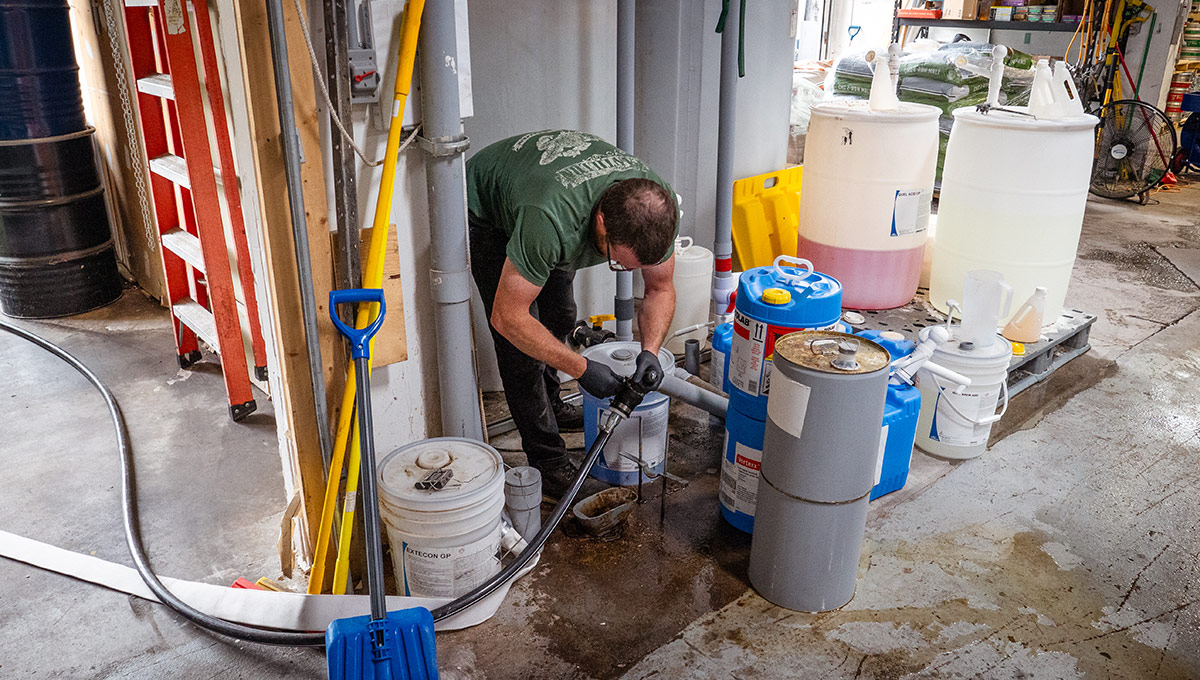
x,y
543,205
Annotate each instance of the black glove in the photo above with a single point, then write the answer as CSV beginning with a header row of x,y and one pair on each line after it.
x,y
599,380
647,363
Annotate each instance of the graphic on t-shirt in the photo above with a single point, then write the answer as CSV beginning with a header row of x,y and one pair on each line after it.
x,y
565,144
595,166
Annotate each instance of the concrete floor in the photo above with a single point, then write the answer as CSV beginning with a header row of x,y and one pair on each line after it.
x,y
1069,550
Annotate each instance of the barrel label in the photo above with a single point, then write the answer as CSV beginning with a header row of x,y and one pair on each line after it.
x,y
788,404
748,353
910,212
739,479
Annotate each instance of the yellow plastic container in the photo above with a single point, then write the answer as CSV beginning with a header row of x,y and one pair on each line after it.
x,y
766,213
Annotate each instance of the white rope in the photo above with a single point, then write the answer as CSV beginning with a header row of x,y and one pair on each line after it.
x,y
337,121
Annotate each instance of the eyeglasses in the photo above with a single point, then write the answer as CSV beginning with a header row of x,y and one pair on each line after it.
x,y
613,264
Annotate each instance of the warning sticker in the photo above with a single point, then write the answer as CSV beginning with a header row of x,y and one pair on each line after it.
x,y
747,354
739,479
910,212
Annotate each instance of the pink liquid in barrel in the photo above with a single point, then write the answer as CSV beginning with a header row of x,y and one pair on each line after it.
x,y
871,279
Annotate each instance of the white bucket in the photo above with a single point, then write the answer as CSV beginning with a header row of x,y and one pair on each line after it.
x,y
444,541
956,424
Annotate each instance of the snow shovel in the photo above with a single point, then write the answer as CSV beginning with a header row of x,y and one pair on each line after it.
x,y
397,645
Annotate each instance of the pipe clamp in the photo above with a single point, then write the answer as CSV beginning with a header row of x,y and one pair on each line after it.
x,y
439,147
450,288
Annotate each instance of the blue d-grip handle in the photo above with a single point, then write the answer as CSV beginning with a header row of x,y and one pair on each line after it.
x,y
360,338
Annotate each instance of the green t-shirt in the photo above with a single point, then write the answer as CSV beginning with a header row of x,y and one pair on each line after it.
x,y
540,189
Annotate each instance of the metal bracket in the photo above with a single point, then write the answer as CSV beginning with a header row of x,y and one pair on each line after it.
x,y
440,147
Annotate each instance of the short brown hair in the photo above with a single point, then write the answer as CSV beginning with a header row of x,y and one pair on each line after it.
x,y
640,214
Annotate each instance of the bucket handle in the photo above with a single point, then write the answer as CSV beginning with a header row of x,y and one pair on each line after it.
x,y
800,263
982,421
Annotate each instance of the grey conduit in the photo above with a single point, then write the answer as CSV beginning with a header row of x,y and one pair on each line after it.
x,y
626,26
691,390
450,275
723,281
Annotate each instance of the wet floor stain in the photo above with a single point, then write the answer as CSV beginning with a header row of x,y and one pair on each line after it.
x,y
1142,262
1033,404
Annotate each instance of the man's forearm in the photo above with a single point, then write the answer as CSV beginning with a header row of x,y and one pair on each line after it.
x,y
531,337
654,319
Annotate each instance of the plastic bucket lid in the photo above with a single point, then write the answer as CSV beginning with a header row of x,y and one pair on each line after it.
x,y
860,109
478,474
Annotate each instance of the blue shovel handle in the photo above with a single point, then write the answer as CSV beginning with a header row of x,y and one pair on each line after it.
x,y
360,338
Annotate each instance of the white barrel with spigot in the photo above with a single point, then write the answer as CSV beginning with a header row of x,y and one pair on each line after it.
x,y
693,304
868,183
1013,193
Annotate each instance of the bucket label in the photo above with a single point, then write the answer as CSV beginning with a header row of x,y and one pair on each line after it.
x,y
910,212
448,571
948,427
645,432
747,354
739,478
879,459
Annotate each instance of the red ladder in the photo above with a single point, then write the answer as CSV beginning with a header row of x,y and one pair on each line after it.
x,y
176,144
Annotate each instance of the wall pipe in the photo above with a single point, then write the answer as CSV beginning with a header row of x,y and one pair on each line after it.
x,y
723,280
626,26
449,275
291,158
690,389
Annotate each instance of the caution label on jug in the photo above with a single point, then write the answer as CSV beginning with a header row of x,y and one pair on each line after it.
x,y
739,479
748,353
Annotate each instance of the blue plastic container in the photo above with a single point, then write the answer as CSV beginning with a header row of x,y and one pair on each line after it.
x,y
719,361
772,302
900,411
740,468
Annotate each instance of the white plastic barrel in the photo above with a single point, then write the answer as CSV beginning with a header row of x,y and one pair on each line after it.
x,y
865,200
693,284
444,541
1012,200
956,423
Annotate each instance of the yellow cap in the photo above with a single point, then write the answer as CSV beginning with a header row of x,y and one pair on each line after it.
x,y
1018,348
776,296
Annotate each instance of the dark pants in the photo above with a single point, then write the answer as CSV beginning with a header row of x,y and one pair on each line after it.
x,y
530,386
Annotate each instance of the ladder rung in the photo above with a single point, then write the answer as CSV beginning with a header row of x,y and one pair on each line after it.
x,y
199,319
158,85
141,3
171,167
186,246
174,169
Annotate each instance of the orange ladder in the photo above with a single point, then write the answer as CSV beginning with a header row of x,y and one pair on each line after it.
x,y
177,153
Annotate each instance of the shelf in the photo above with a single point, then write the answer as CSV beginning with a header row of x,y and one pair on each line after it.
x,y
1046,26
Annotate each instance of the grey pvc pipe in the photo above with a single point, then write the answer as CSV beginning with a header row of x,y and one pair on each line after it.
x,y
695,392
626,27
449,276
291,157
726,123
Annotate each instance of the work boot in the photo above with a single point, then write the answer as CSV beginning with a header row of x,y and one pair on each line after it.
x,y
557,476
568,416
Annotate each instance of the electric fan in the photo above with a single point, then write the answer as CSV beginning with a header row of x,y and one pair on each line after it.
x,y
1135,143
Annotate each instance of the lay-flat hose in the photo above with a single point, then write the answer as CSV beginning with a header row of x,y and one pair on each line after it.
x,y
251,633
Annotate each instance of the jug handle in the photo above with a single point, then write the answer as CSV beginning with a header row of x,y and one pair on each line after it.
x,y
1008,293
679,245
800,262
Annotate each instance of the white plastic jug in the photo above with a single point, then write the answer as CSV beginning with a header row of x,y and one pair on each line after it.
x,y
986,298
693,281
1013,194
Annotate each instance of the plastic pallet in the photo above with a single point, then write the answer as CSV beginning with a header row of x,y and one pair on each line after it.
x,y
1065,340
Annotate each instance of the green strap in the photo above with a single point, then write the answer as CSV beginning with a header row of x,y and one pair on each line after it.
x,y
741,33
